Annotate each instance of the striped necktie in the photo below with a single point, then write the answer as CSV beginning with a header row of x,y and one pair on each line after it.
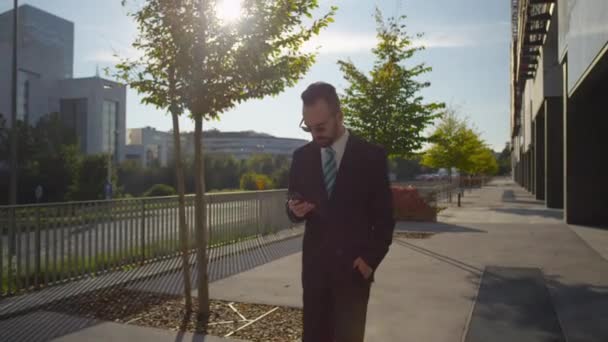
x,y
330,170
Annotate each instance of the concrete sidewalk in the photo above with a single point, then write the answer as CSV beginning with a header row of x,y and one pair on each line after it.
x,y
427,289
53,326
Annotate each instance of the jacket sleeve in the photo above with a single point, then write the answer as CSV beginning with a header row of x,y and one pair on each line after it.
x,y
381,211
293,187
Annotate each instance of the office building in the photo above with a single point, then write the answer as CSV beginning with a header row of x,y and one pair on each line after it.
x,y
94,107
559,82
147,145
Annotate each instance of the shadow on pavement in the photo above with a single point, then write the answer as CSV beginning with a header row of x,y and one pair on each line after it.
x,y
518,307
41,315
434,227
513,304
582,309
547,213
473,270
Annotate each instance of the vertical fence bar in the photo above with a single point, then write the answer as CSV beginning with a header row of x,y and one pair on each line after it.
x,y
143,230
11,248
115,222
61,254
117,219
176,224
29,219
128,213
156,217
37,250
51,250
132,224
165,226
233,233
102,236
72,232
79,229
160,220
170,240
96,237
175,216
87,253
18,252
107,249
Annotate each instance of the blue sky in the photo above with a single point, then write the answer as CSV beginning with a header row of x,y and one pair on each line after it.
x,y
467,47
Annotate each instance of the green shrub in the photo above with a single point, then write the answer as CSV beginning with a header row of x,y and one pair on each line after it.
x,y
256,181
160,190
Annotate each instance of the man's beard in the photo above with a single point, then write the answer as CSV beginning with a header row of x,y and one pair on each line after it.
x,y
324,141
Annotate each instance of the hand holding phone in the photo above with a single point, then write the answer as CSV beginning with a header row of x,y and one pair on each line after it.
x,y
298,205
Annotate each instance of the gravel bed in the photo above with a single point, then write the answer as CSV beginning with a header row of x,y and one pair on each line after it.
x,y
151,309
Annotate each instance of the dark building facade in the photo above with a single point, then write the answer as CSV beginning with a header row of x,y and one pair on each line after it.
x,y
559,116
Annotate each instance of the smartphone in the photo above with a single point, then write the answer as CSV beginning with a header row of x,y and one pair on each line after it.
x,y
296,196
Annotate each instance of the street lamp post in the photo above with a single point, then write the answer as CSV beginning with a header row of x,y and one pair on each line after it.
x,y
12,200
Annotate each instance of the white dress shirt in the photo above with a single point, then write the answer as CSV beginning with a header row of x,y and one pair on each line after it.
x,y
338,146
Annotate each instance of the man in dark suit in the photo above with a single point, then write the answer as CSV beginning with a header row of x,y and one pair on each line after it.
x,y
339,185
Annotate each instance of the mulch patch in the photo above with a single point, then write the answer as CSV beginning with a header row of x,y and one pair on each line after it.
x,y
163,311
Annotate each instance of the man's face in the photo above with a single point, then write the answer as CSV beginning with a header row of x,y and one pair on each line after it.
x,y
324,124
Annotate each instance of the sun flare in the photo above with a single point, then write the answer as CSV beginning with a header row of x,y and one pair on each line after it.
x,y
228,10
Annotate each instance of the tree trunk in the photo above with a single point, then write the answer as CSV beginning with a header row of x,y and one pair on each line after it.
x,y
201,221
183,229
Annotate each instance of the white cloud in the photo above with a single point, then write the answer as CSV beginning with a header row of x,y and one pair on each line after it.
x,y
341,42
445,40
109,55
102,56
362,42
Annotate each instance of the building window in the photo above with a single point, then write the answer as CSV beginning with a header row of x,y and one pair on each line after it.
x,y
23,87
109,128
73,113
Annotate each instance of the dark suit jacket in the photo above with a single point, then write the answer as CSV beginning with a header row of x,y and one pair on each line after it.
x,y
356,221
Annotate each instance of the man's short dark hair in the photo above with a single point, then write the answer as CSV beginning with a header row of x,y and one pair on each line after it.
x,y
324,91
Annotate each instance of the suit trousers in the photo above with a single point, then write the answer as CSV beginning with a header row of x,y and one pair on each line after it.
x,y
336,312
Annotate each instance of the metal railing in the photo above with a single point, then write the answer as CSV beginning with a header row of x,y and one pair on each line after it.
x,y
47,244
436,192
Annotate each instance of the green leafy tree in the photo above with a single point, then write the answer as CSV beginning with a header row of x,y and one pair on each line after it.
x,y
280,177
221,172
214,65
454,143
90,181
386,107
48,156
484,163
261,163
155,76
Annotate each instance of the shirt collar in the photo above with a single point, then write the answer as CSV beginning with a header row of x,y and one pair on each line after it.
x,y
340,144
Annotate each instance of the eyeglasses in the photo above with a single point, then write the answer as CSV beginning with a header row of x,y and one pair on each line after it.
x,y
318,127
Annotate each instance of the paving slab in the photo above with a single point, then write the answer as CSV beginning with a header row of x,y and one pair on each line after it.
x,y
275,283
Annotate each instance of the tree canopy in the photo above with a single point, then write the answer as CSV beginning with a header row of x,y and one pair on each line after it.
x,y
386,107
